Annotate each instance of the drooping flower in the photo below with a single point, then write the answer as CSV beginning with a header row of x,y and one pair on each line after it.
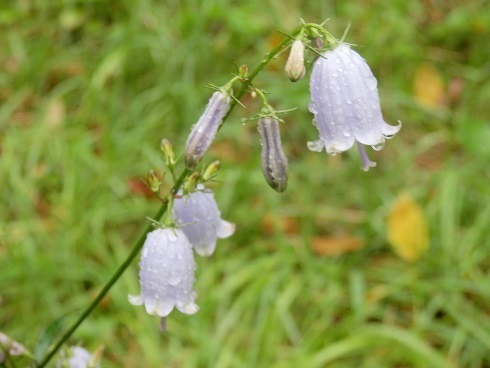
x,y
166,274
345,102
295,65
9,347
200,218
204,131
78,357
274,161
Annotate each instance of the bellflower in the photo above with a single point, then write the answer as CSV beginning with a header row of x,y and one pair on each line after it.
x,y
166,274
345,102
9,347
200,218
274,162
204,131
78,358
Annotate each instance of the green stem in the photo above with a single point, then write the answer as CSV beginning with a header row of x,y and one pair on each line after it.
x,y
137,247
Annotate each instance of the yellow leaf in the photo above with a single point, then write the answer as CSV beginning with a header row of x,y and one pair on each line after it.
x,y
407,228
428,86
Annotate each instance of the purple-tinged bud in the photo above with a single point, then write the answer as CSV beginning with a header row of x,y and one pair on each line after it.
x,y
211,170
295,66
166,274
274,162
204,131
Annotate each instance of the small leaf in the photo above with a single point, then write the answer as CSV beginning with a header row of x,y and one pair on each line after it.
x,y
428,87
331,246
407,228
47,337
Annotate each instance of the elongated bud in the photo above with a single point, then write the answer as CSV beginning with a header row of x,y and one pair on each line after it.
x,y
295,66
154,181
274,162
211,170
168,152
204,131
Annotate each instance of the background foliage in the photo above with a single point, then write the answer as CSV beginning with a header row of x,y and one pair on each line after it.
x,y
88,89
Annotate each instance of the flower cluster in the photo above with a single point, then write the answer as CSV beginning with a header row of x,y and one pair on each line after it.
x,y
346,108
167,263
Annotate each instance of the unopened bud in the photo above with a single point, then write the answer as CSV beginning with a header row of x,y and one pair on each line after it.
x,y
295,66
211,170
274,162
204,131
243,72
154,181
190,184
168,152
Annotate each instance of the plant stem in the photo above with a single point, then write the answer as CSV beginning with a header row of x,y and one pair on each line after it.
x,y
137,247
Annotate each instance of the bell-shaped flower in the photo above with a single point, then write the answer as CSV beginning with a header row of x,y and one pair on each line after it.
x,y
200,219
274,162
166,274
78,357
9,347
345,102
204,131
295,65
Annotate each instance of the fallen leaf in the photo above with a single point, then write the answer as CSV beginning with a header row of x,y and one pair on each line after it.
x,y
335,245
428,87
285,224
407,228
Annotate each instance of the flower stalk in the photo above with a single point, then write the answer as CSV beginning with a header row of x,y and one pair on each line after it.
x,y
246,83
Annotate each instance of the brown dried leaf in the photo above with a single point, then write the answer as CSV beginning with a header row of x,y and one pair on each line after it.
x,y
335,245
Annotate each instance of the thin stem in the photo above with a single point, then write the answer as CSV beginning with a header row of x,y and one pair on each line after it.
x,y
137,247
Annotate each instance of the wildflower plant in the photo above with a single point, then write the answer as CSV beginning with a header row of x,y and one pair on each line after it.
x,y
346,109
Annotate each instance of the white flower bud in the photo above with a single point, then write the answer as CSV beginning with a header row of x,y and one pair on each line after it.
x,y
166,274
204,131
295,66
200,218
345,102
274,161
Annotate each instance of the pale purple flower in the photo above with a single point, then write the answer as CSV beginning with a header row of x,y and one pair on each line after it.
x,y
200,218
78,358
274,162
204,131
9,347
295,65
166,274
345,102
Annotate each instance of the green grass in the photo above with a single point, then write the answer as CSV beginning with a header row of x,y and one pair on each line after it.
x,y
87,91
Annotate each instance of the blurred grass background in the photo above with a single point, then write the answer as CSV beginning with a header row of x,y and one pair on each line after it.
x,y
89,88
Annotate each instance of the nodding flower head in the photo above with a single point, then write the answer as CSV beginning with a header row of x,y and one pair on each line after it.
x,y
274,162
204,131
295,66
200,218
166,274
345,102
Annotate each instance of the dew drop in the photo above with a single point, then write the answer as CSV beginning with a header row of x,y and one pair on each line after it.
x,y
144,253
371,82
349,102
174,279
379,146
346,134
314,122
313,108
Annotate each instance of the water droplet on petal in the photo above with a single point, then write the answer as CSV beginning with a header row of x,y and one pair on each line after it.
x,y
346,134
379,146
174,279
371,82
314,122
144,253
313,108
